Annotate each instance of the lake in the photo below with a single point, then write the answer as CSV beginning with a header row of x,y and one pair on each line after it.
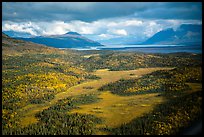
x,y
149,48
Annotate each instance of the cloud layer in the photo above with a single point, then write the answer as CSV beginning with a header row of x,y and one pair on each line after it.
x,y
91,11
98,20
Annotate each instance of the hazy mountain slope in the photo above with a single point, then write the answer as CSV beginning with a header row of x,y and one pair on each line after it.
x,y
11,46
68,40
185,34
14,34
126,40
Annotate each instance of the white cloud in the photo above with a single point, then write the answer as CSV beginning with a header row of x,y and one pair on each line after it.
x,y
100,29
152,23
19,27
124,22
119,32
133,23
53,28
151,28
103,35
112,24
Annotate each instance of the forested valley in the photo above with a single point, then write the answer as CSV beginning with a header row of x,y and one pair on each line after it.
x,y
39,82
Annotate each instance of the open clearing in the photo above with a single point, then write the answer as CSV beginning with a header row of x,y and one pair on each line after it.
x,y
126,107
116,110
88,56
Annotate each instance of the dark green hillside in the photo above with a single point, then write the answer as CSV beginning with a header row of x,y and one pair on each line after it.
x,y
56,121
129,61
40,85
181,108
33,74
163,81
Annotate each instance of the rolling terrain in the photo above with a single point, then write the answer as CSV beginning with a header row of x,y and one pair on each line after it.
x,y
48,91
67,40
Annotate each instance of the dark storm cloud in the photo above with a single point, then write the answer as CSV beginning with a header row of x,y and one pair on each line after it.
x,y
173,10
90,11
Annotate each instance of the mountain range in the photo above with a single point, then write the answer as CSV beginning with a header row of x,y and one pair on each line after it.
x,y
126,40
185,34
67,40
12,47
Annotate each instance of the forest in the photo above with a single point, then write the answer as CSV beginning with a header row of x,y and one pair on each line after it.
x,y
162,81
36,75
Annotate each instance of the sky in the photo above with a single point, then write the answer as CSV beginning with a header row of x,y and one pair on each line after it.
x,y
99,20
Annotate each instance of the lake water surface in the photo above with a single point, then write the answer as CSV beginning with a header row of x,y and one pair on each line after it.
x,y
150,48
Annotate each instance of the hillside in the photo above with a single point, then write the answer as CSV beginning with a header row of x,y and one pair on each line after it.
x,y
34,74
67,40
187,34
12,46
128,61
44,87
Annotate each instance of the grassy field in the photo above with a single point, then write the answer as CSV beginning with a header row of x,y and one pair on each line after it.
x,y
47,91
116,110
28,112
88,56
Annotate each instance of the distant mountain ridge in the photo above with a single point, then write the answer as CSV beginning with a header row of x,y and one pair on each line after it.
x,y
73,33
185,34
14,34
12,46
67,40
